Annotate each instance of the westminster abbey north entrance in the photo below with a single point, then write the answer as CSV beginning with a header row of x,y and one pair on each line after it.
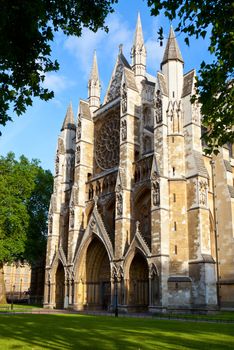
x,y
98,285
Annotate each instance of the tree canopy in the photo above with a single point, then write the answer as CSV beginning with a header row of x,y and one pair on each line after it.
x,y
215,88
27,30
25,190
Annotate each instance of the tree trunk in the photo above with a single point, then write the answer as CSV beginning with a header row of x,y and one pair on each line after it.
x,y
2,286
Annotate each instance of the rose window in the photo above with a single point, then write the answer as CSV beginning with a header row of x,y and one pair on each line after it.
x,y
107,144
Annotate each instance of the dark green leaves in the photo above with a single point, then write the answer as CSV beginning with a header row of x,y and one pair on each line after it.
x,y
26,32
25,190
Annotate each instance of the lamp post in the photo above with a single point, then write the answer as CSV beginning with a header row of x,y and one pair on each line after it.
x,y
116,295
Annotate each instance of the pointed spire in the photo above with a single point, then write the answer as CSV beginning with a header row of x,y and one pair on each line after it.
x,y
94,71
139,39
138,52
69,122
172,51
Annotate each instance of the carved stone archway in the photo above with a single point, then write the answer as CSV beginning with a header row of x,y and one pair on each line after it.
x,y
59,286
138,286
96,278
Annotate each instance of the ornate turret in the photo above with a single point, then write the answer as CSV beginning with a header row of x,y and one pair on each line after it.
x,y
172,67
172,51
94,88
69,122
138,51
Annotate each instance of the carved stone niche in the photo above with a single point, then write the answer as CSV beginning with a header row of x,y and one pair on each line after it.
x,y
124,130
202,187
78,130
155,190
119,201
158,107
124,99
77,154
57,163
72,215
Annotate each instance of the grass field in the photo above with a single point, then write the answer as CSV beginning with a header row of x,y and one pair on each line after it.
x,y
69,331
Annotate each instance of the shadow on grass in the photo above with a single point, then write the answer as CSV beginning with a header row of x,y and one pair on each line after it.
x,y
100,332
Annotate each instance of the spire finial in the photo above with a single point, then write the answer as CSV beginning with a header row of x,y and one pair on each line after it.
x,y
120,48
69,122
94,71
172,51
139,39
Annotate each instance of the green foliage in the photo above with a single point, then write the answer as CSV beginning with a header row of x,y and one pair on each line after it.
x,y
25,190
26,31
215,86
98,332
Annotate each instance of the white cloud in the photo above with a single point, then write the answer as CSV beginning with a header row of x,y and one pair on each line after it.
x,y
154,55
57,83
106,43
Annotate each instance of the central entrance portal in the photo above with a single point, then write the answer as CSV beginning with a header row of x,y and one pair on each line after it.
x,y
98,276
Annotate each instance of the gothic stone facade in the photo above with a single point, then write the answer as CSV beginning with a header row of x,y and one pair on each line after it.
x,y
139,215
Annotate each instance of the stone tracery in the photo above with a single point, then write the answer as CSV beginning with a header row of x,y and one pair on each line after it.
x,y
107,143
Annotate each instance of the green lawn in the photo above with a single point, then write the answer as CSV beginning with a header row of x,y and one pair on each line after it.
x,y
217,316
18,307
104,332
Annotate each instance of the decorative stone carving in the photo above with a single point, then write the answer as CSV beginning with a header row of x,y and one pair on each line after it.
x,y
77,154
124,130
57,164
114,90
154,176
124,99
119,204
138,224
78,130
98,188
203,192
92,224
107,143
156,193
72,215
158,107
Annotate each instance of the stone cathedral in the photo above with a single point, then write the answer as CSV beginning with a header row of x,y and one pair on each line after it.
x,y
140,217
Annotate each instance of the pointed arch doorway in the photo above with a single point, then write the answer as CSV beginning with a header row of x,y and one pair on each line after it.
x,y
98,277
138,284
59,286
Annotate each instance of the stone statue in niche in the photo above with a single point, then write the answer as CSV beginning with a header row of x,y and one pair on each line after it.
x,y
119,205
124,99
202,192
98,188
138,226
158,107
124,130
72,215
50,223
79,130
77,154
57,164
156,193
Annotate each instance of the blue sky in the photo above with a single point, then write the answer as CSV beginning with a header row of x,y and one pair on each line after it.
x,y
35,133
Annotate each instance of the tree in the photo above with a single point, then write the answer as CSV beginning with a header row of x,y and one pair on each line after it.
x,y
27,30
25,190
215,88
